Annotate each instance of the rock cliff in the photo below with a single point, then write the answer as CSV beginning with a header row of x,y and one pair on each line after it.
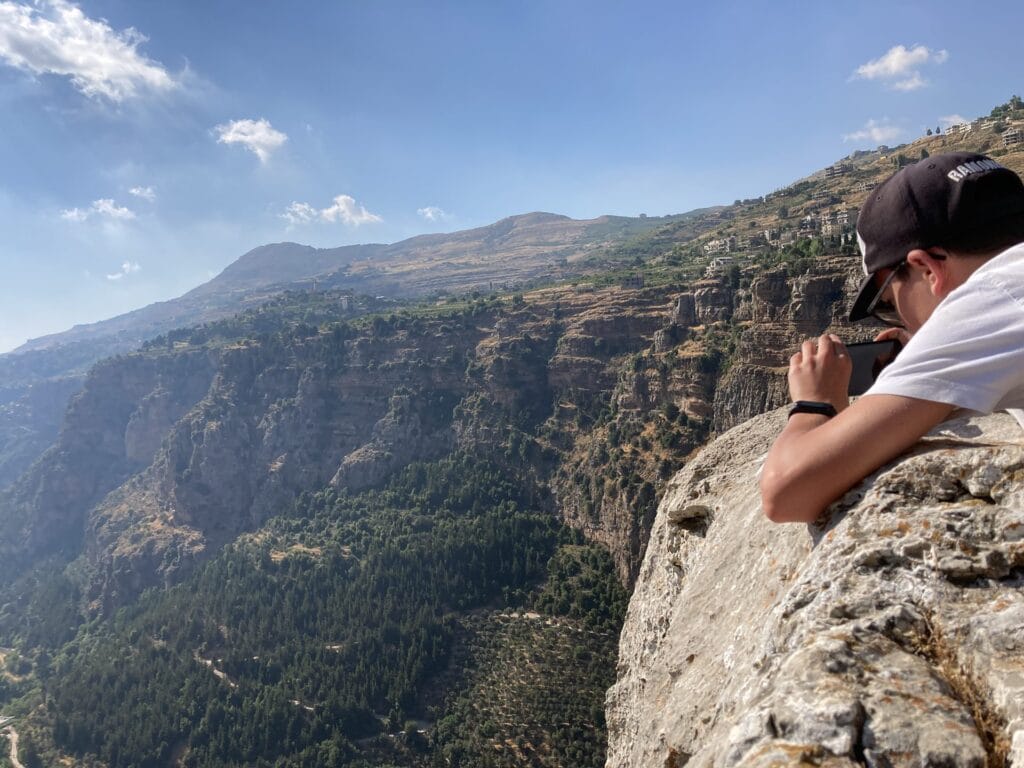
x,y
111,430
889,634
780,311
172,452
598,394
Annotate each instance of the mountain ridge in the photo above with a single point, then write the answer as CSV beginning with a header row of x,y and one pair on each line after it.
x,y
273,267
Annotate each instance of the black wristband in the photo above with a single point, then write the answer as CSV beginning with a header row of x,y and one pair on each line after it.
x,y
813,406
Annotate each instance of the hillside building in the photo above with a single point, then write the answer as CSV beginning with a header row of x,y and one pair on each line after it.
x,y
1012,137
720,245
718,265
809,224
837,170
831,228
847,217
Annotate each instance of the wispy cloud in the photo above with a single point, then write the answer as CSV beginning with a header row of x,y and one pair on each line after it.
x,y
258,136
876,131
900,67
146,193
74,214
432,213
127,268
344,208
54,37
104,207
953,119
300,213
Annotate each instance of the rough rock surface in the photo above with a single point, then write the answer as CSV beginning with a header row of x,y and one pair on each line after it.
x,y
890,634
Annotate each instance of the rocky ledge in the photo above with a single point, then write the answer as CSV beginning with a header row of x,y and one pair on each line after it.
x,y
891,634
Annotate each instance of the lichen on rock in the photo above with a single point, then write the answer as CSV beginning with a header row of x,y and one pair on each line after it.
x,y
890,633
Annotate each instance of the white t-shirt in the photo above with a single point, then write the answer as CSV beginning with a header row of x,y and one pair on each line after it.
x,y
970,352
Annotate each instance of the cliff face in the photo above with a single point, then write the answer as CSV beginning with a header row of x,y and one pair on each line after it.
x,y
275,421
171,453
778,314
29,423
891,635
111,430
597,394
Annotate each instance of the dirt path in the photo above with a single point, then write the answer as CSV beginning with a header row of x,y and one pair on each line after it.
x,y
219,674
13,735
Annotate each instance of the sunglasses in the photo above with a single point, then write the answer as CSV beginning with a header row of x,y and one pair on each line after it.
x,y
885,311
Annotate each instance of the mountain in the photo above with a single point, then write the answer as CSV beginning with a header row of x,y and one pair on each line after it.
x,y
512,252
517,249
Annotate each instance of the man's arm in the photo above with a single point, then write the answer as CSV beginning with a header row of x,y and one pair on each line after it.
x,y
815,459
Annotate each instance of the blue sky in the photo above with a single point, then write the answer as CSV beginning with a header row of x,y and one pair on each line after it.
x,y
147,144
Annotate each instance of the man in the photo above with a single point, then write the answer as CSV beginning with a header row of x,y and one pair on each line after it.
x,y
943,249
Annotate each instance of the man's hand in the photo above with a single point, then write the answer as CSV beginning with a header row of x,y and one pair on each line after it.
x,y
902,335
821,371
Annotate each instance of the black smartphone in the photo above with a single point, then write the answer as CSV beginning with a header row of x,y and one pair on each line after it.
x,y
869,358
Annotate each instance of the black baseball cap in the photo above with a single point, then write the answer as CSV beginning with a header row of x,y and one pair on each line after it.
x,y
961,201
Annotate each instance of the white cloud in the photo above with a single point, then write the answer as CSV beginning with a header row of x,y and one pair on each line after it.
x,y
146,193
899,67
258,136
74,214
300,213
127,268
344,208
877,131
54,37
107,207
912,83
432,213
102,207
953,119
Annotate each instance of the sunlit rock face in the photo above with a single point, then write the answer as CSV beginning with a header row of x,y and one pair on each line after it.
x,y
890,634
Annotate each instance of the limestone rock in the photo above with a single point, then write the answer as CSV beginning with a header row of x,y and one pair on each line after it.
x,y
713,303
685,313
891,633
399,438
770,295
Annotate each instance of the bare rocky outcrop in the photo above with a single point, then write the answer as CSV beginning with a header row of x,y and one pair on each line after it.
x,y
890,634
403,435
713,302
111,430
783,311
348,410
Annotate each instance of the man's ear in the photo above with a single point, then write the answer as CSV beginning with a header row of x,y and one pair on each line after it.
x,y
934,268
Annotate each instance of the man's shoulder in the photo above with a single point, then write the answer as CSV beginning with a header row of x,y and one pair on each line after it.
x,y
1007,262
1000,277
